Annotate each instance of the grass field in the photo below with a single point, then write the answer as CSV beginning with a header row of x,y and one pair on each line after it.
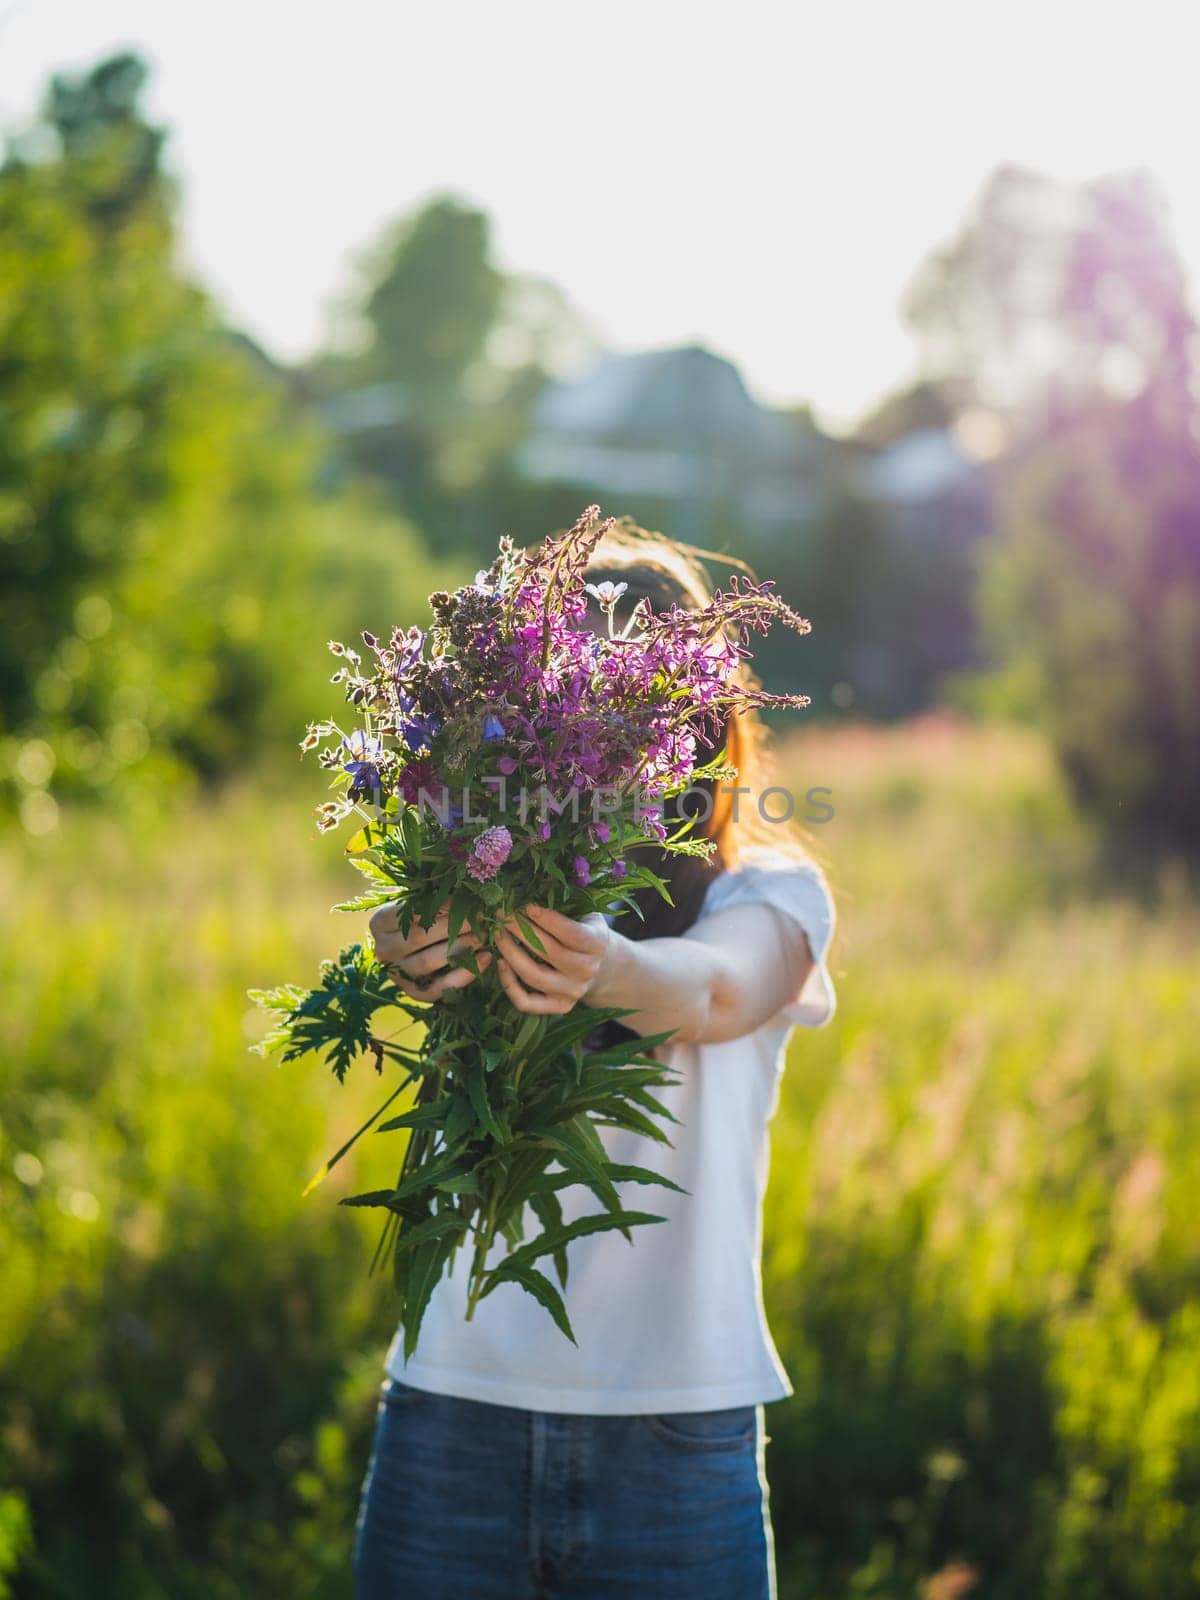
x,y
983,1228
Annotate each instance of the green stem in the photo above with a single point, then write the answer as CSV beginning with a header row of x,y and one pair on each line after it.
x,y
482,1245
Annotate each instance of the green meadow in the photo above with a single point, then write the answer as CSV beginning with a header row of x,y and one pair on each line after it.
x,y
982,1232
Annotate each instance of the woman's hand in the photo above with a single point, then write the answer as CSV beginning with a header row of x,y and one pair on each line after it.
x,y
419,965
554,979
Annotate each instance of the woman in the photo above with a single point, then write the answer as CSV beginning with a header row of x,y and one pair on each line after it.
x,y
508,1462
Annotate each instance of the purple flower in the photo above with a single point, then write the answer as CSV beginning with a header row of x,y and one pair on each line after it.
x,y
602,832
650,818
418,775
490,852
544,831
507,765
583,872
618,869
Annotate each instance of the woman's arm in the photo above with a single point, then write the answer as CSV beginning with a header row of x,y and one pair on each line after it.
x,y
721,979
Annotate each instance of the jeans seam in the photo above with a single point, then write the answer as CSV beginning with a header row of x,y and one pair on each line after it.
x,y
537,1463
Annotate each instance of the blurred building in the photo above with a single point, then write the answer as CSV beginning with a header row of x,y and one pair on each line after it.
x,y
921,466
677,425
925,483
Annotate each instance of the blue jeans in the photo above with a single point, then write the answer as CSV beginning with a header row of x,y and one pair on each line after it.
x,y
464,1500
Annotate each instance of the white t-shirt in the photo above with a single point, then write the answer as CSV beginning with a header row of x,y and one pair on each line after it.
x,y
673,1321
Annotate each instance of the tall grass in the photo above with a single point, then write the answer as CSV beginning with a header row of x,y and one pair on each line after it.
x,y
189,1352
982,1232
983,1226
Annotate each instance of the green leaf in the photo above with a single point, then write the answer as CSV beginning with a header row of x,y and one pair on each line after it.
x,y
432,1174
417,837
370,868
337,1016
622,1173
577,1152
418,1117
285,998
479,1101
460,1121
641,1047
365,839
464,1183
590,1137
374,1197
513,1228
434,1227
467,959
420,1279
545,1206
366,901
526,1034
627,1117
559,1238
529,933
540,1287
649,1103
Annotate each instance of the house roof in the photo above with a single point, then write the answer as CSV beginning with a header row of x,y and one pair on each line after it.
x,y
685,397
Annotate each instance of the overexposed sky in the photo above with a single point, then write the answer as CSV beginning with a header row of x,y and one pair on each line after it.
x,y
761,177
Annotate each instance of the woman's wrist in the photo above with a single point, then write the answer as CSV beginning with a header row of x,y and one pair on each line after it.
x,y
665,984
612,973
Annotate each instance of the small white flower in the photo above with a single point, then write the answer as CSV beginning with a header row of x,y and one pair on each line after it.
x,y
606,593
362,746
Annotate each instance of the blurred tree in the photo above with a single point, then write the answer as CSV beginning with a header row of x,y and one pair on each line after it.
x,y
167,576
111,154
1053,292
1067,308
435,362
1091,600
434,297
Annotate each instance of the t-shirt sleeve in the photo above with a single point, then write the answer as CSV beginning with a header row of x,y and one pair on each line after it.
x,y
799,891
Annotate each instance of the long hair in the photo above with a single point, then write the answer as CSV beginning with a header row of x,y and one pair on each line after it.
x,y
666,572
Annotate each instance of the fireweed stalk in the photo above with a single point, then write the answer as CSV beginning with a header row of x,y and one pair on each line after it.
x,y
510,685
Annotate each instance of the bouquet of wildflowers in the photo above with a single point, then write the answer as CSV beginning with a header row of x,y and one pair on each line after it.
x,y
511,756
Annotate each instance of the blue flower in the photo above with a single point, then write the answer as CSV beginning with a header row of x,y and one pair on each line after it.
x,y
454,814
365,755
493,728
418,732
